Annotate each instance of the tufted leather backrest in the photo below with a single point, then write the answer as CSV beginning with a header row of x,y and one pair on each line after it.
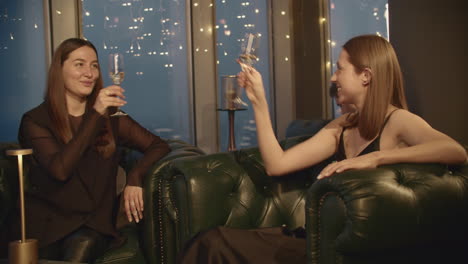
x,y
233,189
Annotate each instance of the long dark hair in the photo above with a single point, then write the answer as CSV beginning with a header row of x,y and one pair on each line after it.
x,y
56,101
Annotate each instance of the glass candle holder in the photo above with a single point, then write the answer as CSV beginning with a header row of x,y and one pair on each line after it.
x,y
230,94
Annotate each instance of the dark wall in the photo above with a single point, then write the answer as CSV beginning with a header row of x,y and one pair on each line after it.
x,y
431,40
307,60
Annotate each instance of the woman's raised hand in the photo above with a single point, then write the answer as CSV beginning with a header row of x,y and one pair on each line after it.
x,y
251,80
111,96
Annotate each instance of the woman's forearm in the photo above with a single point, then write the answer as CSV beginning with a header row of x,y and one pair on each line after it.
x,y
440,151
269,147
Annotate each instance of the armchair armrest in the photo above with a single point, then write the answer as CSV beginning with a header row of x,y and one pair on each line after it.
x,y
392,207
128,253
155,199
192,194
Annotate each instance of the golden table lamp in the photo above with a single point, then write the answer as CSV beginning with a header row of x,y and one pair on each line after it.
x,y
24,250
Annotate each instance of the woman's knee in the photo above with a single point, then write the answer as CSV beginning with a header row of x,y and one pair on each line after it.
x,y
84,245
202,246
211,238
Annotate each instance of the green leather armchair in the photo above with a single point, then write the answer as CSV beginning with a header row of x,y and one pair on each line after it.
x,y
405,213
192,194
131,251
402,213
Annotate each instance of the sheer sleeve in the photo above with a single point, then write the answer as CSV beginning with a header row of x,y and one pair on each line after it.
x,y
57,158
134,136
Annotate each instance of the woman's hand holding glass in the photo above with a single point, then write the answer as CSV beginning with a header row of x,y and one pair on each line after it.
x,y
251,80
111,96
133,201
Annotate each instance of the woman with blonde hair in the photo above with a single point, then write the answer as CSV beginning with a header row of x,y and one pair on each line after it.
x,y
380,131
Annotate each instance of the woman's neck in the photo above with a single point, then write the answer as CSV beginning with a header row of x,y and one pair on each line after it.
x,y
359,103
76,105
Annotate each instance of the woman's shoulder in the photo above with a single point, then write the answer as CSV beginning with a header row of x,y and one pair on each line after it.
x,y
37,111
402,122
336,125
340,121
38,114
403,116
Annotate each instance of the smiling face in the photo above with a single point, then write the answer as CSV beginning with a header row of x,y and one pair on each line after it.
x,y
80,72
352,86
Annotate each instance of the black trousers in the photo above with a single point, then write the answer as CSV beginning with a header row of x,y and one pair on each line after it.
x,y
83,245
228,245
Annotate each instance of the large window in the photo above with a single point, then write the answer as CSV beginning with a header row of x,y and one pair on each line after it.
x,y
22,62
234,19
152,35
352,18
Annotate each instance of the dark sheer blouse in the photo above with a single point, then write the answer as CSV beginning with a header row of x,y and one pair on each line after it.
x,y
73,184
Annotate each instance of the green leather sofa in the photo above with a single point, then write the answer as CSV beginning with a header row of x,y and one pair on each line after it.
x,y
404,213
191,194
131,251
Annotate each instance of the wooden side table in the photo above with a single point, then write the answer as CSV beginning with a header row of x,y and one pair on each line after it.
x,y
232,138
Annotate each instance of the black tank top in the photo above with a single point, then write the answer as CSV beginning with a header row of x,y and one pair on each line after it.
x,y
373,146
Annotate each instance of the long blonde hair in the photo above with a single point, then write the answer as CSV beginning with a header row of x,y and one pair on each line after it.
x,y
376,54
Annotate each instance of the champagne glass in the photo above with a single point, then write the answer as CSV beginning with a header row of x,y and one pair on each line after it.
x,y
248,56
249,49
117,74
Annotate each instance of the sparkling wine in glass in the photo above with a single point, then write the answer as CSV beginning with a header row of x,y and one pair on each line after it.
x,y
248,56
117,74
249,49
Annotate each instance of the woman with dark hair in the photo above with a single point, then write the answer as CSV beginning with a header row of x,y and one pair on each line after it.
x,y
379,131
71,204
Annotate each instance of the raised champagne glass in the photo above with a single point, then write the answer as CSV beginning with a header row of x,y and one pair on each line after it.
x,y
117,74
249,49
